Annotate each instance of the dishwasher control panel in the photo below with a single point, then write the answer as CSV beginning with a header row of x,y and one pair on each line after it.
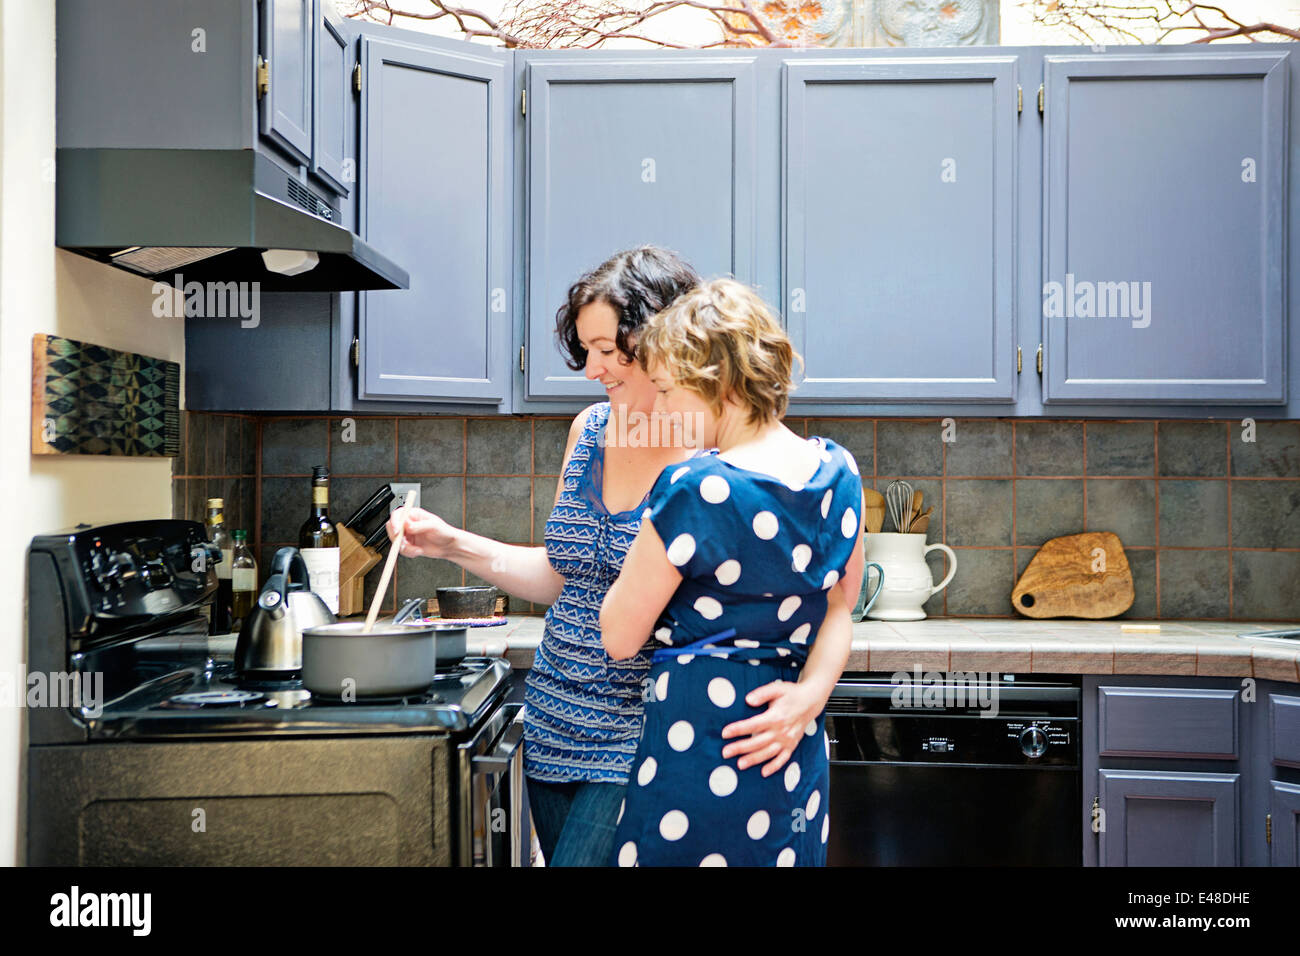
x,y
919,738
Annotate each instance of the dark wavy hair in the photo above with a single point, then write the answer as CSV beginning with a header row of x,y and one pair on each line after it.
x,y
636,283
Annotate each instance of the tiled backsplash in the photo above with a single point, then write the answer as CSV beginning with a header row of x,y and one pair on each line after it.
x,y
1210,521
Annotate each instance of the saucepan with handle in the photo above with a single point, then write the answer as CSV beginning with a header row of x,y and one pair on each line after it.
x,y
355,659
394,658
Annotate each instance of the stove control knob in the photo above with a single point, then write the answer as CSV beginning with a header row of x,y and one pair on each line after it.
x,y
154,575
112,570
1033,742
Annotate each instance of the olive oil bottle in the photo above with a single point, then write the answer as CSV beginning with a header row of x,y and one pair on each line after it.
x,y
243,581
217,534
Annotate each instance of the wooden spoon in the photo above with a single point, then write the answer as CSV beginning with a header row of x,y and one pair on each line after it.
x,y
874,515
921,523
916,508
388,566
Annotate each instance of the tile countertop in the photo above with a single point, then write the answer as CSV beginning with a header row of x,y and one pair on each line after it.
x,y
1067,646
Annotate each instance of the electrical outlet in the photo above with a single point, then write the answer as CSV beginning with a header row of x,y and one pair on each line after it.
x,y
400,488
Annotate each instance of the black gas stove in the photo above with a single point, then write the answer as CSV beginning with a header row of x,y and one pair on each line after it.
x,y
191,689
149,727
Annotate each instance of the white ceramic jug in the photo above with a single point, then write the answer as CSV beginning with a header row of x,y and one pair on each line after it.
x,y
908,583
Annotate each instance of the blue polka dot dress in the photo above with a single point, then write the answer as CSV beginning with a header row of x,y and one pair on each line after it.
x,y
758,558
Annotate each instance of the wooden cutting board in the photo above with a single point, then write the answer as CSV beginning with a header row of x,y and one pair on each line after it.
x,y
1080,575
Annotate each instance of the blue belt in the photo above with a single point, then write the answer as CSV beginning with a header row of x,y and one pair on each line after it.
x,y
696,647
704,646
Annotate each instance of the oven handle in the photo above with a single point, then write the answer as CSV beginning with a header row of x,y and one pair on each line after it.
x,y
880,690
507,761
507,746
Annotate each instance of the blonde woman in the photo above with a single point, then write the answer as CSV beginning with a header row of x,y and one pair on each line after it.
x,y
746,563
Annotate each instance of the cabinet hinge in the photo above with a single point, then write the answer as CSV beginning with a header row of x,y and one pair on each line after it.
x,y
356,353
523,102
521,358
1040,97
1020,99
1268,828
1019,363
356,78
263,76
1039,361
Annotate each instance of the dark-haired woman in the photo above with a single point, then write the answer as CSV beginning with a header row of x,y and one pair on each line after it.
x,y
584,710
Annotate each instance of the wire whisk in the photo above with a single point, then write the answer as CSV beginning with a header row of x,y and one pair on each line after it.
x,y
898,496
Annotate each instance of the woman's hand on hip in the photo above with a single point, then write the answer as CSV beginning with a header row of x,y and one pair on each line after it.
x,y
427,535
773,735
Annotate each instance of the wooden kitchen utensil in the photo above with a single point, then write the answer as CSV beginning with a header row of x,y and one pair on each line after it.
x,y
916,509
873,510
388,566
1080,575
921,523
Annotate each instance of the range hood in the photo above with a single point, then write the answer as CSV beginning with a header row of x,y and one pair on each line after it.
x,y
205,215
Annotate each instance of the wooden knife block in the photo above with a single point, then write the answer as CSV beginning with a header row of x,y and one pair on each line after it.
x,y
355,559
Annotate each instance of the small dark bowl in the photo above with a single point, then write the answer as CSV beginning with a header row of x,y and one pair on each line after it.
x,y
468,602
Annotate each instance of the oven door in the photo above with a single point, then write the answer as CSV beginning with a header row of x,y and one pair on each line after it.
x,y
495,822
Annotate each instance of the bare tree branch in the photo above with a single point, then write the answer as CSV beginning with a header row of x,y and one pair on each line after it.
x,y
587,24
582,23
1150,23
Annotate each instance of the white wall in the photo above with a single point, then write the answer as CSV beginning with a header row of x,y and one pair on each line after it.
x,y
43,289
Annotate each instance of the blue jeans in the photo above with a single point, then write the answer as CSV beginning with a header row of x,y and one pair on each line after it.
x,y
575,821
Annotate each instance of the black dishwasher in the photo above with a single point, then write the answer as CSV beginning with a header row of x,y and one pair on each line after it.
x,y
954,770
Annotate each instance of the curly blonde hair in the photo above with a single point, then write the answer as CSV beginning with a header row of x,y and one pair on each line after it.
x,y
721,339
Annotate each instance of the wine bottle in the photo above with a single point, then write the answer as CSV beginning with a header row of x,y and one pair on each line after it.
x,y
243,581
319,542
217,534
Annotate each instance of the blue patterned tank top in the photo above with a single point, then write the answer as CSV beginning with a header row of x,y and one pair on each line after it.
x,y
584,711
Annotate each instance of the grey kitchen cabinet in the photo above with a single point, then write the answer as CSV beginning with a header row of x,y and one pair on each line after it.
x,y
899,231
1284,823
1148,745
285,75
434,151
332,159
1168,818
1191,771
904,254
1165,208
628,150
1279,731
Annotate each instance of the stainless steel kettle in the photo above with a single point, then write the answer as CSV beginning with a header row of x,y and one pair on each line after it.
x,y
270,640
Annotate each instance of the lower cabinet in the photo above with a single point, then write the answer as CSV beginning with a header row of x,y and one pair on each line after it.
x,y
1284,820
1279,762
1168,818
1191,771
